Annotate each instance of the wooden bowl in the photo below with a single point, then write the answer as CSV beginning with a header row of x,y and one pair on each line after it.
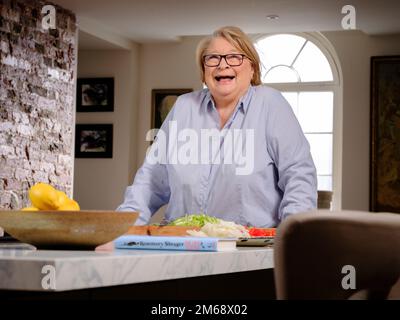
x,y
82,230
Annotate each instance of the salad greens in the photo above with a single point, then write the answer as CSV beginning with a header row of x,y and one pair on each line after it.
x,y
194,220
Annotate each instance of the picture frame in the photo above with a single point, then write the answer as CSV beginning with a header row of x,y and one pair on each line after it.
x,y
95,95
385,134
94,141
162,100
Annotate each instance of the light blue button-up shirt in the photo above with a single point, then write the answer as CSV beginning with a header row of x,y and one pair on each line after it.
x,y
277,179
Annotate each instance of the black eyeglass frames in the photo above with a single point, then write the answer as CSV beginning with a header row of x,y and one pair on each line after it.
x,y
232,59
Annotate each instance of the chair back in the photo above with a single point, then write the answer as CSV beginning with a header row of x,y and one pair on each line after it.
x,y
337,255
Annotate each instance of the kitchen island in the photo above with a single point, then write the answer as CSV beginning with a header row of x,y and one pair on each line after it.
x,y
137,274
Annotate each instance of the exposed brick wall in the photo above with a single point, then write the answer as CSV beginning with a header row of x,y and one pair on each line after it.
x,y
37,84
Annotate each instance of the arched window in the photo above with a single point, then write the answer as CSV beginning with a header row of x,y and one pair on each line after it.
x,y
304,70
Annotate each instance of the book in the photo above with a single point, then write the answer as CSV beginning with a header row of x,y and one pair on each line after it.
x,y
175,243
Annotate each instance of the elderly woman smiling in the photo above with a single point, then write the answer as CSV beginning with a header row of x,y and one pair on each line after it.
x,y
282,180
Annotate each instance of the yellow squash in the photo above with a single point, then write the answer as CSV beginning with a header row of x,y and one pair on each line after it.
x,y
69,205
44,196
62,199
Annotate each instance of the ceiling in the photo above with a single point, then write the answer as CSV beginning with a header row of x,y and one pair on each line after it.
x,y
88,41
144,21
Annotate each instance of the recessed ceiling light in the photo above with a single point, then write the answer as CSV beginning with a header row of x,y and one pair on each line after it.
x,y
272,17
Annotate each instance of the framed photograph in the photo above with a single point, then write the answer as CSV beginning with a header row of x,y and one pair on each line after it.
x,y
385,134
95,95
93,141
162,100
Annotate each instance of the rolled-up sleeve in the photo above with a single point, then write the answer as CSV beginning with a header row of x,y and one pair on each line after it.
x,y
290,151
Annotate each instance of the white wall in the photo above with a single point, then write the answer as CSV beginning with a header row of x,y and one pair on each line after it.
x,y
100,183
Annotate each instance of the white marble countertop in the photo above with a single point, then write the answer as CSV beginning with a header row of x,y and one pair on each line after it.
x,y
44,270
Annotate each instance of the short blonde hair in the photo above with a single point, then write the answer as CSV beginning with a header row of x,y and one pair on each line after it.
x,y
236,37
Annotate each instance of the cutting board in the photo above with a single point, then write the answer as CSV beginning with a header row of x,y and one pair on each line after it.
x,y
161,230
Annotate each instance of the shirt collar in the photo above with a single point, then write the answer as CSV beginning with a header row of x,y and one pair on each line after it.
x,y
244,101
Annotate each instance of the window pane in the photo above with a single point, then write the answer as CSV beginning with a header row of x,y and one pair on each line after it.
x,y
312,64
325,183
321,151
279,49
315,111
281,74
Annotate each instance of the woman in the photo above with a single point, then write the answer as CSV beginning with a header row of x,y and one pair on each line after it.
x,y
261,170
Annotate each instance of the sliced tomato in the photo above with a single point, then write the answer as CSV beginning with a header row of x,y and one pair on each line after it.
x,y
262,232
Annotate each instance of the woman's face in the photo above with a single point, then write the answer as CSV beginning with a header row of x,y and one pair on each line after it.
x,y
224,81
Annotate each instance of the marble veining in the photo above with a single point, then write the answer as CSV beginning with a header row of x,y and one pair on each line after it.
x,y
25,270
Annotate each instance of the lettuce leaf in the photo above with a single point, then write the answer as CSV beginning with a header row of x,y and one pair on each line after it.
x,y
194,220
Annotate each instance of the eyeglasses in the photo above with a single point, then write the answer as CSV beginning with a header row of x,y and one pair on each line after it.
x,y
233,59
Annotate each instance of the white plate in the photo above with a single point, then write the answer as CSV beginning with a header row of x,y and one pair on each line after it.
x,y
255,242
